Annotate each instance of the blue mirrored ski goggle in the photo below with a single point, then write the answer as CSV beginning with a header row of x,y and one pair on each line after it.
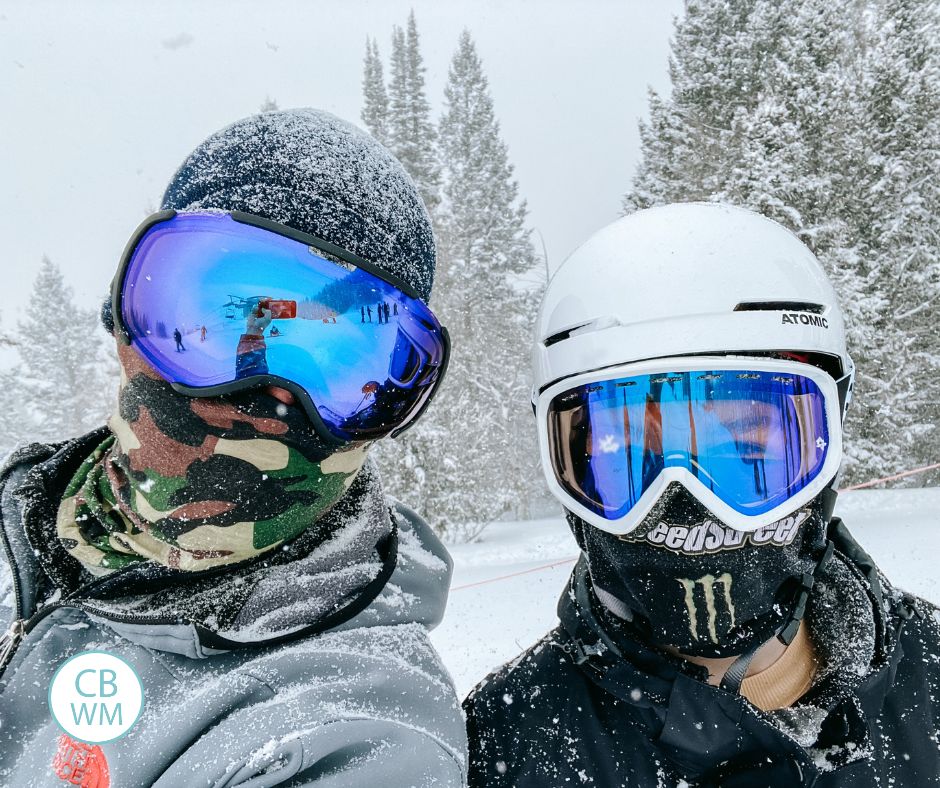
x,y
220,302
746,436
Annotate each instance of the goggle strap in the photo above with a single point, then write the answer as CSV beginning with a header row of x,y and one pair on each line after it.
x,y
844,387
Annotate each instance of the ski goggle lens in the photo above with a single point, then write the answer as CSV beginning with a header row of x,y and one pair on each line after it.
x,y
211,301
753,438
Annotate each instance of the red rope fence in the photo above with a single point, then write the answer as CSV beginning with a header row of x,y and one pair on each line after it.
x,y
890,478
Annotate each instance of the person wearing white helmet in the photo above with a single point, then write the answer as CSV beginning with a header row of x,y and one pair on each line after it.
x,y
720,628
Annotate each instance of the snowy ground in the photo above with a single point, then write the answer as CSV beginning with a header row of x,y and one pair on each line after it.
x,y
487,624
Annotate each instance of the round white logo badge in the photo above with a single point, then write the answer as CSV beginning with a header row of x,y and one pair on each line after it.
x,y
96,697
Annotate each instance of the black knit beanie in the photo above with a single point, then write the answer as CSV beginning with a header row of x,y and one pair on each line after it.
x,y
318,174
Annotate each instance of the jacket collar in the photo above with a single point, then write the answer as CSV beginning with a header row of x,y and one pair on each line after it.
x,y
701,727
256,602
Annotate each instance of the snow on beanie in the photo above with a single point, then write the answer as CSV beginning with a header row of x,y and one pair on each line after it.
x,y
318,174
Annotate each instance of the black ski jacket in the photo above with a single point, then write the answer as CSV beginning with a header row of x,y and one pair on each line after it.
x,y
588,705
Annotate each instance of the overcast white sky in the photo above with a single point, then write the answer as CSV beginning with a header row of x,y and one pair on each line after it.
x,y
100,100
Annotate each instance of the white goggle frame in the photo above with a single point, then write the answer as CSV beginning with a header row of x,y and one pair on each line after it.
x,y
722,511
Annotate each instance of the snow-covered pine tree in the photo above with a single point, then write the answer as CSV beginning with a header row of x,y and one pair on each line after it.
x,y
374,96
13,424
768,111
899,223
473,456
411,133
10,417
61,385
751,115
5,339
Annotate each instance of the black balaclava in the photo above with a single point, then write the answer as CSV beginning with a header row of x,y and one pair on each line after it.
x,y
684,579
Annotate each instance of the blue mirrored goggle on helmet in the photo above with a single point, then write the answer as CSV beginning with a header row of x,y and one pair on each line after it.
x,y
745,441
220,302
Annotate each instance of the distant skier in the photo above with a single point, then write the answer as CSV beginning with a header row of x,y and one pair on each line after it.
x,y
178,338
385,307
720,628
202,334
362,313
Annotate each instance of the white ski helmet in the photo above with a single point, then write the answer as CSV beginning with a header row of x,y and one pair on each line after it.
x,y
699,280
687,279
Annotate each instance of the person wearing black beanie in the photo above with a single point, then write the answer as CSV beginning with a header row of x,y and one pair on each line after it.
x,y
228,537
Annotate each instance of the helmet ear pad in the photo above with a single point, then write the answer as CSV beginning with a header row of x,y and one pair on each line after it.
x,y
107,316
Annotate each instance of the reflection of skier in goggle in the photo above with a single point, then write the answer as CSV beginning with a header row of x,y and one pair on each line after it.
x,y
691,377
250,358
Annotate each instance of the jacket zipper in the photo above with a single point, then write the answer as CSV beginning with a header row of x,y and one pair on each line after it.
x,y
10,640
14,574
20,627
14,634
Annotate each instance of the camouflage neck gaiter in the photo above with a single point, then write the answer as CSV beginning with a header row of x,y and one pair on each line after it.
x,y
195,483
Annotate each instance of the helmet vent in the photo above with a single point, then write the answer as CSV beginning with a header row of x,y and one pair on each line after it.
x,y
780,306
561,336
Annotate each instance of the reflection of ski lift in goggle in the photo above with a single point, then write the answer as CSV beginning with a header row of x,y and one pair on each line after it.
x,y
234,302
246,306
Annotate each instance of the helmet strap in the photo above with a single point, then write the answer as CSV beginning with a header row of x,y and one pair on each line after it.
x,y
735,675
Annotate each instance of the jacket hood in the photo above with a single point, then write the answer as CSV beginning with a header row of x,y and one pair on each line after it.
x,y
381,565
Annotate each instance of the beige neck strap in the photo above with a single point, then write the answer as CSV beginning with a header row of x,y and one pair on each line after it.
x,y
787,679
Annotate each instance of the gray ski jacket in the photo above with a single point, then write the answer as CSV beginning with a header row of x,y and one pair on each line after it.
x,y
356,697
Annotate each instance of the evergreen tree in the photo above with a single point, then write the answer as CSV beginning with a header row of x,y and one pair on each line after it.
x,y
62,386
12,416
5,339
899,223
411,133
473,456
375,98
772,109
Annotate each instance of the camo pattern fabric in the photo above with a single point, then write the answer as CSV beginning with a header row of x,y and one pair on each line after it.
x,y
195,483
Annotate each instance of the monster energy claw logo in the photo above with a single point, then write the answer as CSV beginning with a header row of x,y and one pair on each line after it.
x,y
707,585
